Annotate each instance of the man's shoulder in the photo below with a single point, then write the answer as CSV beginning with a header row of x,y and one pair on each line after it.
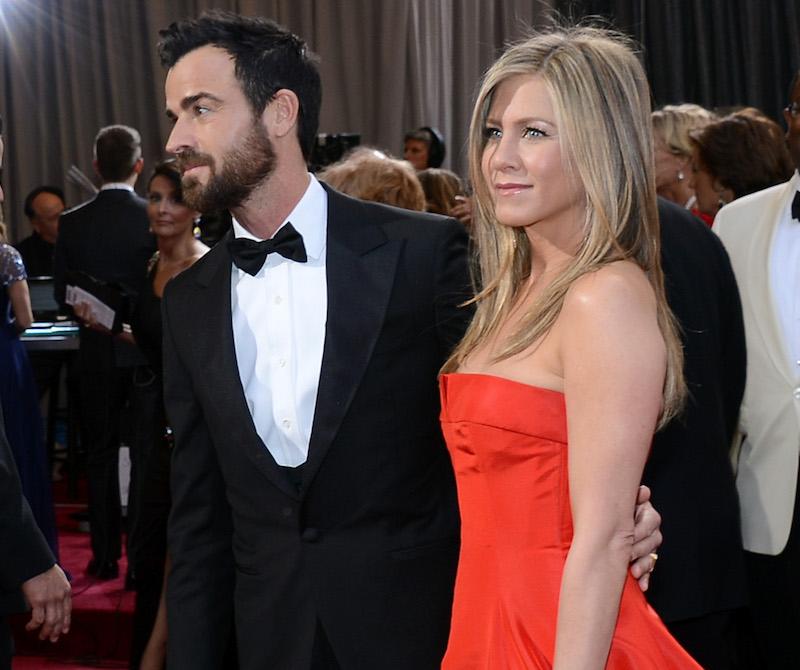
x,y
78,210
396,222
198,272
26,244
743,211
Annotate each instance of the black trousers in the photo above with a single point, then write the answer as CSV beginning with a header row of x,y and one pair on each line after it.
x,y
103,394
6,645
322,656
711,640
148,532
774,583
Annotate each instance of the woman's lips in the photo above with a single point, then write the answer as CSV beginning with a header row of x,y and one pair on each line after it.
x,y
510,188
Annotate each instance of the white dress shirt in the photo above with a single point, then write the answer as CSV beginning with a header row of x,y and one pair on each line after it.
x,y
117,185
785,279
279,320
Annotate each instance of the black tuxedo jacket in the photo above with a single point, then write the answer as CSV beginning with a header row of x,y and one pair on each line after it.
x,y
701,567
108,238
369,544
23,550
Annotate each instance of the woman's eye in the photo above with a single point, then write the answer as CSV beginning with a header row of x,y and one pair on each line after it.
x,y
491,133
530,132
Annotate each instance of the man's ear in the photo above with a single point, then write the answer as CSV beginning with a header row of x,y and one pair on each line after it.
x,y
282,113
138,166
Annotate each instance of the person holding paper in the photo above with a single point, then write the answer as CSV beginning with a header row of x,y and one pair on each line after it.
x,y
106,238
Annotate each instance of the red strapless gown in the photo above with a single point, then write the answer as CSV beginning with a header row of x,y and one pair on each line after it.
x,y
508,442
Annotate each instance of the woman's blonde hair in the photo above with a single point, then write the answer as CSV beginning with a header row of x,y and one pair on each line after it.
x,y
601,101
3,237
370,174
674,123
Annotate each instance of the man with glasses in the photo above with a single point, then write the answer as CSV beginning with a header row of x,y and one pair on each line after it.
x,y
761,232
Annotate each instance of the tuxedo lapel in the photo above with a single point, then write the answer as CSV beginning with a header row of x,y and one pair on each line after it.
x,y
222,369
360,269
759,285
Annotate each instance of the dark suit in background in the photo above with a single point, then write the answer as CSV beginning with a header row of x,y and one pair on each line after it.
x,y
37,255
700,579
363,554
23,550
108,239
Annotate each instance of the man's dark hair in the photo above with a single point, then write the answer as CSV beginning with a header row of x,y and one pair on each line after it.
x,y
116,150
169,170
28,206
266,57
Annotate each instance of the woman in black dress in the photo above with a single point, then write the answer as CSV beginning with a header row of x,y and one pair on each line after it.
x,y
173,224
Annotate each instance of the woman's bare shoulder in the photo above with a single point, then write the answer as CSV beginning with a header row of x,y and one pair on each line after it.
x,y
613,290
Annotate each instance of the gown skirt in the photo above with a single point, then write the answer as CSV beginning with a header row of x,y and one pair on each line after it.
x,y
508,444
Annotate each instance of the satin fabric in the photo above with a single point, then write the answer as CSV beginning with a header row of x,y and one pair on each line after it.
x,y
508,443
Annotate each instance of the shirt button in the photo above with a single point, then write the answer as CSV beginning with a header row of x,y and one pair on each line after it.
x,y
278,300
796,394
286,424
282,362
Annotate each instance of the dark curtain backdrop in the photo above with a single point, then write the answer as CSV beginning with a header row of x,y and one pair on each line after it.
x,y
69,67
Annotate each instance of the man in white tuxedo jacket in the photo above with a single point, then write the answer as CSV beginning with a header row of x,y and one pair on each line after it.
x,y
761,233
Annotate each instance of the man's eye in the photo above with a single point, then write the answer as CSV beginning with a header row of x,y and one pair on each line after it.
x,y
200,110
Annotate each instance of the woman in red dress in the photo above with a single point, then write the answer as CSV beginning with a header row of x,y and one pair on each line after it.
x,y
550,402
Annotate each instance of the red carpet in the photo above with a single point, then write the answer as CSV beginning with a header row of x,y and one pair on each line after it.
x,y
101,612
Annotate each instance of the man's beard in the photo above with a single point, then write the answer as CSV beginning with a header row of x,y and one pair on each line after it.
x,y
244,167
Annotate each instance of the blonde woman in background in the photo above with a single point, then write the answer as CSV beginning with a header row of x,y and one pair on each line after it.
x,y
550,402
673,150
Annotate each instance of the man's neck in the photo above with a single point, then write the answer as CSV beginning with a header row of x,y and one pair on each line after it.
x,y
130,181
269,204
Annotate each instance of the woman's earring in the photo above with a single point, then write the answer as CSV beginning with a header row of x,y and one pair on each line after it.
x,y
681,176
196,230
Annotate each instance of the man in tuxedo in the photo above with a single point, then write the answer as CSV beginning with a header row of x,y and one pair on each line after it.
x,y
29,576
107,238
761,232
700,587
313,497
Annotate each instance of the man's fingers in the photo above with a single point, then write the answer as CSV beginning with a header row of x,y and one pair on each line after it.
x,y
37,618
55,616
67,614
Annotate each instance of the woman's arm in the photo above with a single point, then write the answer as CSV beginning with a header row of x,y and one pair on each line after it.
x,y
614,359
21,304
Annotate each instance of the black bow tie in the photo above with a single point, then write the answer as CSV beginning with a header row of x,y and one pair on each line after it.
x,y
796,206
249,255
